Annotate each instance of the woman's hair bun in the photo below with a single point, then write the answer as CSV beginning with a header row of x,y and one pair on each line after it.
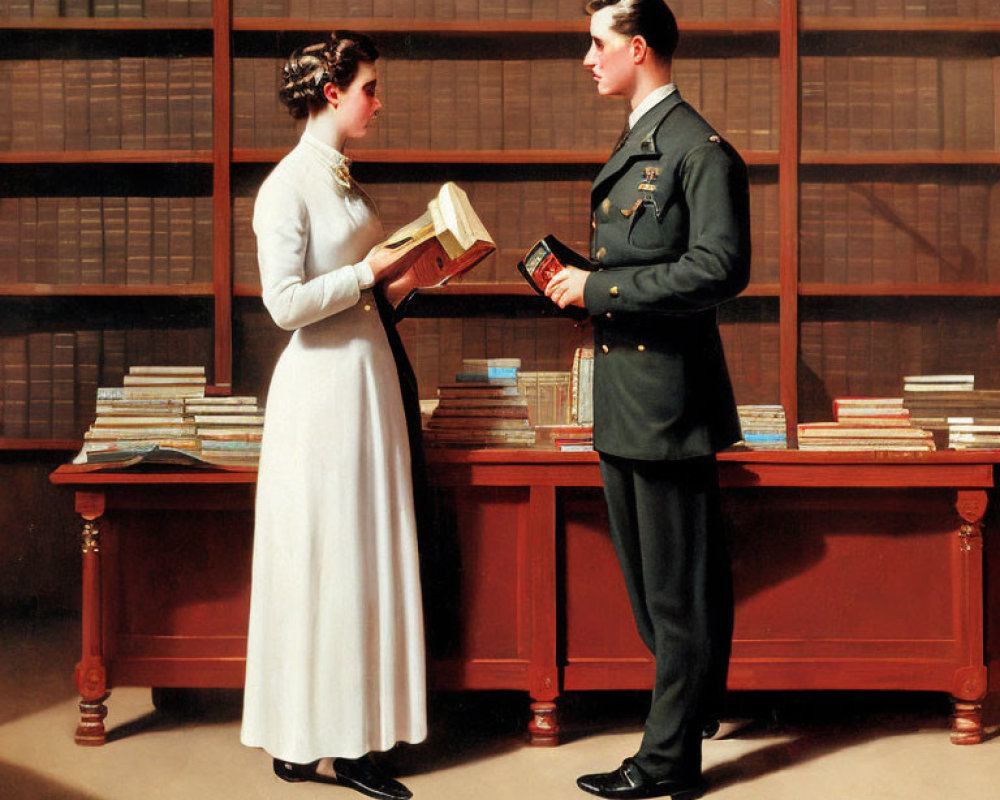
x,y
311,67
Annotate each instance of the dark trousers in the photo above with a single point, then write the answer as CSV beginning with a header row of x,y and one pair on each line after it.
x,y
667,530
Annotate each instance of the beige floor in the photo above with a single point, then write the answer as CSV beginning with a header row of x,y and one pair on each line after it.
x,y
826,745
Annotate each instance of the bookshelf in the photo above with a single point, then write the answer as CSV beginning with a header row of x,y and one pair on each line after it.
x,y
876,214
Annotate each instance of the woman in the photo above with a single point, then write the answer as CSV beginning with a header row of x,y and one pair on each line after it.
x,y
335,654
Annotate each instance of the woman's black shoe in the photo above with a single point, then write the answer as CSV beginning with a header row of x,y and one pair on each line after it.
x,y
363,776
295,773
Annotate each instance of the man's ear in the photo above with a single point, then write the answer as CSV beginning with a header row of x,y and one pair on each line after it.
x,y
331,94
640,50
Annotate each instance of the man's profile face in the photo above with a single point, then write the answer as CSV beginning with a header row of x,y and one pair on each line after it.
x,y
609,58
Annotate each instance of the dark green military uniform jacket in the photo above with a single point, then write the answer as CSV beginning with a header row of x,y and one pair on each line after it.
x,y
671,241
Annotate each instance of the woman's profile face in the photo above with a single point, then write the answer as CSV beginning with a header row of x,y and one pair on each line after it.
x,y
358,103
610,55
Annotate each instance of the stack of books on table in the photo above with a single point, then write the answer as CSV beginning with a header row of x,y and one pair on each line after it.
x,y
763,426
972,433
484,406
582,386
161,415
574,439
934,400
866,423
229,429
549,396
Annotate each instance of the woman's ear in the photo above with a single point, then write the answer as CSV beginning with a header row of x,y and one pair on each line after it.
x,y
331,94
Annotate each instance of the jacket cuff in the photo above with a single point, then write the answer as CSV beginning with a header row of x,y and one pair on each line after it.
x,y
365,276
601,292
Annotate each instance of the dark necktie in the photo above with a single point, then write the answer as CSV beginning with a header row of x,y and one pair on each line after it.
x,y
621,139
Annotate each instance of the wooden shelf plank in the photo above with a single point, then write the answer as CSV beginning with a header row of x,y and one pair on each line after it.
x,y
504,290
902,26
103,290
489,28
40,444
271,155
900,157
899,290
117,24
106,157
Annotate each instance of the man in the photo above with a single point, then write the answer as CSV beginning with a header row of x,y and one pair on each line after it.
x,y
671,241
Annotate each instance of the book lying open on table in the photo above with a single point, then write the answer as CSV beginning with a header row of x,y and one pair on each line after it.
x,y
446,240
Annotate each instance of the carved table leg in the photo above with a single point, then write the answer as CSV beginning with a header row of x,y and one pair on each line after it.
x,y
91,674
966,722
970,682
90,732
543,729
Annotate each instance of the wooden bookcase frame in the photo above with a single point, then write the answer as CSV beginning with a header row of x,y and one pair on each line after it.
x,y
787,27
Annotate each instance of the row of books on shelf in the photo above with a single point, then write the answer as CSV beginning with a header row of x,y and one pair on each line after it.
x,y
158,9
514,218
752,343
49,380
859,103
493,402
513,104
129,103
844,355
484,9
161,414
910,232
901,9
122,241
492,9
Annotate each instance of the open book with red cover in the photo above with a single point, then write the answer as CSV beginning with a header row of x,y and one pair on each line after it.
x,y
449,239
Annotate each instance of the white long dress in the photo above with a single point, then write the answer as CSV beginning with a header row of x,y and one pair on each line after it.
x,y
335,651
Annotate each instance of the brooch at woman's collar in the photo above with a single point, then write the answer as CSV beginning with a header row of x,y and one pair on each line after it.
x,y
342,174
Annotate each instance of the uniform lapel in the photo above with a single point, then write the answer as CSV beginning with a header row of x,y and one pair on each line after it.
x,y
641,143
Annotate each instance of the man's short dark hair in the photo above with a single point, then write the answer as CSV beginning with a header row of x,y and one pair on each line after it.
x,y
651,19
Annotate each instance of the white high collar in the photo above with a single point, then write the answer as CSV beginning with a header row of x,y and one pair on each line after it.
x,y
657,95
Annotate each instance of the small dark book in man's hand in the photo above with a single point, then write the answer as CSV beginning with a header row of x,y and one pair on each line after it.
x,y
545,258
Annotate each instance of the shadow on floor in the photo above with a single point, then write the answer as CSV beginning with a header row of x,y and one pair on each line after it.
x,y
21,784
31,646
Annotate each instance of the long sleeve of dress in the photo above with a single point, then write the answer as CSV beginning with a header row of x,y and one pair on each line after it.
x,y
281,224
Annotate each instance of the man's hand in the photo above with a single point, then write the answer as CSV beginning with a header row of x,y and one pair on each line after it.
x,y
566,287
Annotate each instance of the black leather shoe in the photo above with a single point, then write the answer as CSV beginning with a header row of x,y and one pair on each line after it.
x,y
363,776
710,728
296,773
629,781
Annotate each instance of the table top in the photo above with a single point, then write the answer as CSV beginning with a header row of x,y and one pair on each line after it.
x,y
738,467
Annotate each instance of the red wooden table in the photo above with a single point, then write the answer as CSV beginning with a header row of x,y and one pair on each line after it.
x,y
851,571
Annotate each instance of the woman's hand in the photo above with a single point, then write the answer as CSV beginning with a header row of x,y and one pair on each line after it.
x,y
566,287
388,264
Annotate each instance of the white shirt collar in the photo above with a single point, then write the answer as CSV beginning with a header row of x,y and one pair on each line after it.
x,y
651,99
336,162
330,157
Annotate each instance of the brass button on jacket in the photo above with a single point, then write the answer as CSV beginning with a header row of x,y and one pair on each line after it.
x,y
604,348
613,291
601,253
608,314
641,348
